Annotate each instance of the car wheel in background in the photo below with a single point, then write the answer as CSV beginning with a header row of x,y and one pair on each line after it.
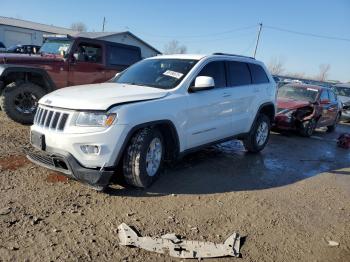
x,y
19,101
308,128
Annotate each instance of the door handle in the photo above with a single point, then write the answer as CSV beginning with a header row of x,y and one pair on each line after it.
x,y
226,95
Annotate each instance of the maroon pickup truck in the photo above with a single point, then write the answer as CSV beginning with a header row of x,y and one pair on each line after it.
x,y
62,61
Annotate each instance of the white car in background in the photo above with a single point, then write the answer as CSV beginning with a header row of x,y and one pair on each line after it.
x,y
343,93
155,111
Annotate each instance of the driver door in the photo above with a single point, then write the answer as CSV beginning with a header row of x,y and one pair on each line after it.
x,y
87,65
209,112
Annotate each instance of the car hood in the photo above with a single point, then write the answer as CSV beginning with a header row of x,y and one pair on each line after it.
x,y
10,58
284,103
344,99
100,96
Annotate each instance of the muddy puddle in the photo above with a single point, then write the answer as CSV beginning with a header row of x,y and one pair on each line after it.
x,y
56,177
13,162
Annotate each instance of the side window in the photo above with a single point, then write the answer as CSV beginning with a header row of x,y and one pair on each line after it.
x,y
258,74
119,55
238,74
88,53
332,96
324,95
217,71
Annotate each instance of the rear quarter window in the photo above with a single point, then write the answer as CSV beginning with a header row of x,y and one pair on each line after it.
x,y
119,55
258,74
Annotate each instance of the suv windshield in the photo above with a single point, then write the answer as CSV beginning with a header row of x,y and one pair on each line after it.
x,y
55,46
342,91
159,73
298,93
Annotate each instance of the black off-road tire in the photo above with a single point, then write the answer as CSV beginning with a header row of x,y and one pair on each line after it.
x,y
307,128
250,142
134,160
332,127
8,98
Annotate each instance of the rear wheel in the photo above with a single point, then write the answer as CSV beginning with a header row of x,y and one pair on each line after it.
x,y
336,121
259,135
143,158
19,101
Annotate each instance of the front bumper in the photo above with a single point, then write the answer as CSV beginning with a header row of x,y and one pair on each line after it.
x,y
65,163
283,122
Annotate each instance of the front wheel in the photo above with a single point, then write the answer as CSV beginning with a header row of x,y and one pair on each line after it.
x,y
259,135
19,101
143,158
308,128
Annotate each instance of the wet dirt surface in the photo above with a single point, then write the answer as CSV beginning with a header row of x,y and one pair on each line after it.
x,y
289,200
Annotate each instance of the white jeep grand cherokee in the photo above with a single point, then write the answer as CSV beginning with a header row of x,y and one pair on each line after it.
x,y
155,111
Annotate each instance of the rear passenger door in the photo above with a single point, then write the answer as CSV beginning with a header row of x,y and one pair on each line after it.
x,y
260,88
209,112
243,95
325,104
333,108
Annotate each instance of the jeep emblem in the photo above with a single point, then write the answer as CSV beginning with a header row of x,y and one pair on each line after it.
x,y
48,101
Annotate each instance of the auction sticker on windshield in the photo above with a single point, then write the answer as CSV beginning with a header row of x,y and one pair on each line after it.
x,y
174,74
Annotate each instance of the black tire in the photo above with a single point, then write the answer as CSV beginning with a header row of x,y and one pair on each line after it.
x,y
134,160
19,101
251,143
307,128
332,127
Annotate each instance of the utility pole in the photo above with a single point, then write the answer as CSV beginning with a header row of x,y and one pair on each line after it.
x,y
257,39
103,24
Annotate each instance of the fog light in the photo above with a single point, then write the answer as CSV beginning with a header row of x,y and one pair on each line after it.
x,y
90,149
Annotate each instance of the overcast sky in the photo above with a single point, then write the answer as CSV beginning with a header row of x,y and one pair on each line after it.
x,y
216,26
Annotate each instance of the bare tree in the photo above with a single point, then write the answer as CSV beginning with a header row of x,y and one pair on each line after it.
x,y
296,75
324,72
276,66
78,26
174,47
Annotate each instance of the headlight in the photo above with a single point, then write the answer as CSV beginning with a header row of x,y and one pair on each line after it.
x,y
287,112
95,119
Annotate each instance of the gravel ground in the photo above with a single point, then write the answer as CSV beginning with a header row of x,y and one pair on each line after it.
x,y
288,202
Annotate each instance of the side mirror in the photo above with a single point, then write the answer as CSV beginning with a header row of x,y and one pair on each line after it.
x,y
325,102
202,83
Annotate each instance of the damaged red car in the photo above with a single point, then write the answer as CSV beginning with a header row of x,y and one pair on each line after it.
x,y
304,107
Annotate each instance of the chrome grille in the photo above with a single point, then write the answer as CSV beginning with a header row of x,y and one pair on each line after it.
x,y
51,118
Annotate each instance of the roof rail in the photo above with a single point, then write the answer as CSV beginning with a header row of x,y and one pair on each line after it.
x,y
234,55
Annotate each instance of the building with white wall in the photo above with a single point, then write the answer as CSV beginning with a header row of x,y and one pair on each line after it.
x,y
17,31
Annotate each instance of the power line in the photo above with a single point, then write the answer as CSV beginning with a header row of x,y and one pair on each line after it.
x,y
307,34
200,36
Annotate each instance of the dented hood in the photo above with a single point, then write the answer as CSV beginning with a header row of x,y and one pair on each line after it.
x,y
100,96
285,103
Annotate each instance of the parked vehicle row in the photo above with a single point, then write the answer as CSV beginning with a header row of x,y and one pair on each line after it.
x,y
63,61
153,112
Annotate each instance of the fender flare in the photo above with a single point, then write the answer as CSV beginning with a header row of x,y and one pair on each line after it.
x,y
7,69
147,124
260,109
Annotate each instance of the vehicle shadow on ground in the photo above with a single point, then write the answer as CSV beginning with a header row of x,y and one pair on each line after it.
x,y
227,167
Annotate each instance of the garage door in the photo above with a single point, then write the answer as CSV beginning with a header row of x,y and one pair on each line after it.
x,y
16,38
